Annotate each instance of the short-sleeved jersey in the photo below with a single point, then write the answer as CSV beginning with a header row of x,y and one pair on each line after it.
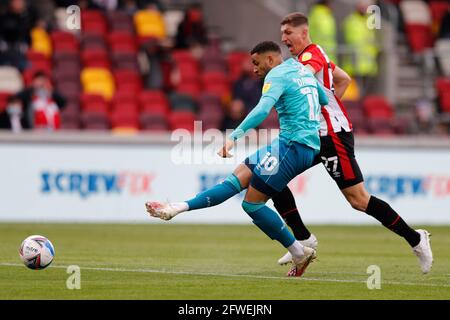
x,y
334,116
298,96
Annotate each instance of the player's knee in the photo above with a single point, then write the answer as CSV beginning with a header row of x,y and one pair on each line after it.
x,y
358,202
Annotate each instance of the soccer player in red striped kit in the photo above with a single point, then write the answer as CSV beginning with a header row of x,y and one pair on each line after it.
x,y
337,149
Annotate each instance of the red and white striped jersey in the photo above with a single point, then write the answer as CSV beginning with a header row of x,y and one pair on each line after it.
x,y
334,116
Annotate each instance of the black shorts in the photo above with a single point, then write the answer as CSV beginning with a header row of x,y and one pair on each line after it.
x,y
337,154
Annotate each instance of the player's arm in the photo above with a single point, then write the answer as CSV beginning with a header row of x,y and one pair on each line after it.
x,y
253,119
323,98
272,90
341,81
311,68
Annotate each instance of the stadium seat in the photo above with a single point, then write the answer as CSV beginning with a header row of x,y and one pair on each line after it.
x,y
419,37
442,49
93,22
66,71
182,102
41,42
380,127
211,118
149,23
119,20
124,118
70,89
443,84
95,58
444,101
70,117
438,8
93,41
180,55
213,60
415,12
66,57
64,42
356,114
128,81
4,100
172,19
36,56
182,119
120,41
124,61
187,71
216,83
94,102
10,79
151,121
152,98
93,120
376,107
235,60
98,80
353,92
190,88
121,97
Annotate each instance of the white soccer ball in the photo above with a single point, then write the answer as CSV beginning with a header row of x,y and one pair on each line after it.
x,y
36,252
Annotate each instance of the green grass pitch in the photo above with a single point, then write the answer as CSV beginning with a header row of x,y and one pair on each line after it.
x,y
177,262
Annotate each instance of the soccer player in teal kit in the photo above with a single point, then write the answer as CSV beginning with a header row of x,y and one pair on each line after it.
x,y
297,97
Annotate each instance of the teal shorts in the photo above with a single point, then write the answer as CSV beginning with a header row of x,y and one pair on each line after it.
x,y
274,165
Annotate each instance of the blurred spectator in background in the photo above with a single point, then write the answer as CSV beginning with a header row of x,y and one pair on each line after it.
x,y
247,87
15,33
322,28
424,114
13,117
362,43
129,6
156,66
41,104
444,31
191,31
245,96
107,5
234,115
149,22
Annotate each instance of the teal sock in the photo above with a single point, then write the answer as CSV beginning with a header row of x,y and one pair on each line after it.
x,y
269,222
216,195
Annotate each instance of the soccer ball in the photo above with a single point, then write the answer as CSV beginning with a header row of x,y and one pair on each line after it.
x,y
36,252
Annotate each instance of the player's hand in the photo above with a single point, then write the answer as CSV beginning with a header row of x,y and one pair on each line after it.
x,y
224,151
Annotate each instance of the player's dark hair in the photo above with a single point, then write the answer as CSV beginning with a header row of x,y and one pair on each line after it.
x,y
266,46
295,19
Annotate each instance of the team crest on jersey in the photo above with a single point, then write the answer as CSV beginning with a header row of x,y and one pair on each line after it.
x,y
306,56
266,87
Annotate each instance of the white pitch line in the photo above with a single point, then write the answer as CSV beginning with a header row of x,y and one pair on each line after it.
x,y
231,275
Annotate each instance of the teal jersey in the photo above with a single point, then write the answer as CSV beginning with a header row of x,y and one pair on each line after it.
x,y
298,98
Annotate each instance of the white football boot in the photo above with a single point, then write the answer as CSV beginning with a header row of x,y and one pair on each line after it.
x,y
300,266
423,251
311,242
164,211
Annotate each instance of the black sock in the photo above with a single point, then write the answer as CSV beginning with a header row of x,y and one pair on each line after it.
x,y
383,212
284,202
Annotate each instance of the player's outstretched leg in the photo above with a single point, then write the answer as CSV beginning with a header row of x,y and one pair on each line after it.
x,y
274,227
270,223
208,198
361,200
284,202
